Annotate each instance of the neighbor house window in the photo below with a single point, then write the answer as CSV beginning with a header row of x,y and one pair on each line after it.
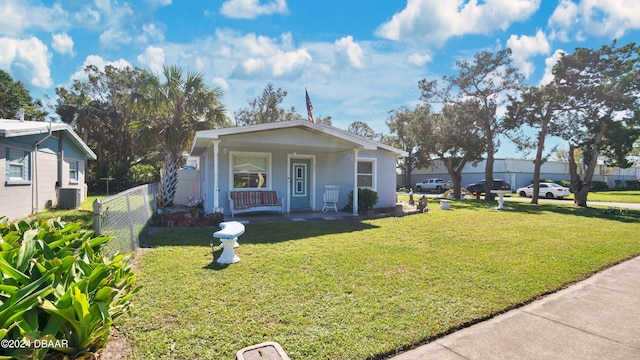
x,y
366,173
73,171
18,167
251,170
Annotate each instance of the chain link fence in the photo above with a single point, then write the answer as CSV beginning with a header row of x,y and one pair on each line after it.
x,y
124,217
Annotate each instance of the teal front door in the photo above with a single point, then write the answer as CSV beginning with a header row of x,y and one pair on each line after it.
x,y
300,184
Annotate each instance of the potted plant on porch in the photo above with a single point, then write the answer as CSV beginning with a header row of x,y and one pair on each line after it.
x,y
367,198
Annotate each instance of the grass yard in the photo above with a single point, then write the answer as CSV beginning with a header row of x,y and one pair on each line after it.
x,y
625,196
83,214
363,289
622,196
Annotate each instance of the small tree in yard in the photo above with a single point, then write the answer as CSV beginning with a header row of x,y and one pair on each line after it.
x,y
409,129
455,141
602,88
176,107
484,82
540,108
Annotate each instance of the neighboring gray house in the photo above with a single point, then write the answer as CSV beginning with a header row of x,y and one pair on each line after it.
x,y
43,165
296,159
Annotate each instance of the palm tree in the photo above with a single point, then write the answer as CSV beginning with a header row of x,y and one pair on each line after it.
x,y
176,108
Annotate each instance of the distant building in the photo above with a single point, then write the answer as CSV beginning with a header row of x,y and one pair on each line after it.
x,y
44,166
519,173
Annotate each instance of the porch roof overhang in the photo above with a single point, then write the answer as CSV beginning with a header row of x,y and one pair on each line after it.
x,y
298,135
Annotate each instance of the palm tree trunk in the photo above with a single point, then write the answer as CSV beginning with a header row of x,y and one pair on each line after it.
x,y
169,181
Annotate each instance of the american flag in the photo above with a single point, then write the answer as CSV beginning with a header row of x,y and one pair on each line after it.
x,y
309,106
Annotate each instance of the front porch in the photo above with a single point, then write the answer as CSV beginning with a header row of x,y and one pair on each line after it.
x,y
298,216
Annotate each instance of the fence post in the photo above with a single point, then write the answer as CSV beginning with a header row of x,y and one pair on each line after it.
x,y
97,217
132,235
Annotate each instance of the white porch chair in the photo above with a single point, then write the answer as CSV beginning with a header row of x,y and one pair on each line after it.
x,y
330,196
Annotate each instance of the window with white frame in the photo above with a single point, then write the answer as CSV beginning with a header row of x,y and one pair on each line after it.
x,y
18,166
73,171
366,173
251,170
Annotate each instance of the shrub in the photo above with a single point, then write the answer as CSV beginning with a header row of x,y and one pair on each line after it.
x,y
565,183
599,185
367,198
633,184
57,288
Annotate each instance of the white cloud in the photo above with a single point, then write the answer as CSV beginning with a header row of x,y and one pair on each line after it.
x,y
17,17
290,62
550,62
347,49
435,21
418,59
262,56
611,18
220,83
114,36
88,17
151,33
63,44
602,18
100,63
118,19
153,57
158,3
563,19
28,60
250,9
524,47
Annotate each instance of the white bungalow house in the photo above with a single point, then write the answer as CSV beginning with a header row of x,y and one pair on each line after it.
x,y
296,159
44,166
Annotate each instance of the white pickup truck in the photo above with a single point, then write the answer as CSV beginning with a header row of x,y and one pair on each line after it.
x,y
436,184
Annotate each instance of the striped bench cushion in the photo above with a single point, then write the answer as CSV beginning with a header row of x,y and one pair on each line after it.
x,y
249,199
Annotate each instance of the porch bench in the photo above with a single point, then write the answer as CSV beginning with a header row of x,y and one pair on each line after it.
x,y
254,200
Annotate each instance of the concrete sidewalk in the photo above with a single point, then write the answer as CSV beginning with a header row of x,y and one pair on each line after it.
x,y
598,318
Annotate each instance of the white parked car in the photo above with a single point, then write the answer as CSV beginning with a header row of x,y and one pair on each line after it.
x,y
436,184
547,190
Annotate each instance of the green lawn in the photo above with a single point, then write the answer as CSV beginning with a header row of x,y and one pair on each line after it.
x,y
623,196
363,289
83,214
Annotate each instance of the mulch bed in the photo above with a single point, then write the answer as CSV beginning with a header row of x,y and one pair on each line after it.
x,y
186,220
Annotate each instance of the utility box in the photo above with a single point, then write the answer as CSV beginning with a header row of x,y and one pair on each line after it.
x,y
68,198
265,351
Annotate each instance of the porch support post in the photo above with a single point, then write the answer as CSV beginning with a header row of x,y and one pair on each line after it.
x,y
216,186
355,182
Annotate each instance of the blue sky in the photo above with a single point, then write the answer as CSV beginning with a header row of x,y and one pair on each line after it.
x,y
358,59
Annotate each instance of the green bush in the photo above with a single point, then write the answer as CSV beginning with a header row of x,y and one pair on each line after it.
x,y
367,198
632,184
599,185
58,289
565,183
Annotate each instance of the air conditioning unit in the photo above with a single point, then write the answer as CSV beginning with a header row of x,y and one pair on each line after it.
x,y
68,198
